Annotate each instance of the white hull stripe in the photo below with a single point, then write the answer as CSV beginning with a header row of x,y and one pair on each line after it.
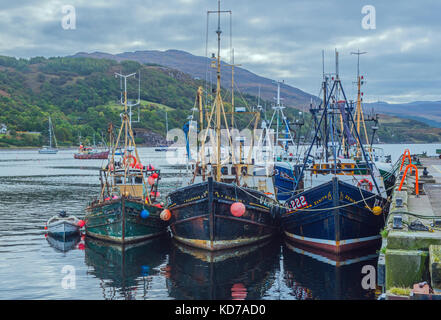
x,y
330,261
219,244
332,242
126,239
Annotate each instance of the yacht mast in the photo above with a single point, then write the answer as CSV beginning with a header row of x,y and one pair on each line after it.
x,y
50,133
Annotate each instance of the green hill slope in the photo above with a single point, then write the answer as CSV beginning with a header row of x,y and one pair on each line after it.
x,y
82,96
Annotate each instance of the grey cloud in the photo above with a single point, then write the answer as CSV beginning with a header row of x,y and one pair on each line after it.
x,y
275,39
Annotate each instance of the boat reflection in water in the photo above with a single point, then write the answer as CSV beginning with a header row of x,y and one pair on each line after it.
x,y
240,273
65,244
125,271
316,274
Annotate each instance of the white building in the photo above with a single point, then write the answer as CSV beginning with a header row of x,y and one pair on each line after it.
x,y
3,128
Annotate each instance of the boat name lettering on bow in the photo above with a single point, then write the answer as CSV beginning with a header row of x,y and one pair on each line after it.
x,y
298,203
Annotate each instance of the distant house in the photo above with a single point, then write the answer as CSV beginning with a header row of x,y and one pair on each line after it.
x,y
3,128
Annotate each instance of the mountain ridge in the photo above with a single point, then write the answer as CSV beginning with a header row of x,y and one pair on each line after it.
x,y
197,66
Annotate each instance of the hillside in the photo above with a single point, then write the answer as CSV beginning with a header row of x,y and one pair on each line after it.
x,y
82,96
428,112
196,66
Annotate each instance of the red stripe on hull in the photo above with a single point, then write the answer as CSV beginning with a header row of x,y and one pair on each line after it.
x,y
336,249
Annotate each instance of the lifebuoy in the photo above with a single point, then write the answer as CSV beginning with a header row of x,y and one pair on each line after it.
x,y
365,181
132,163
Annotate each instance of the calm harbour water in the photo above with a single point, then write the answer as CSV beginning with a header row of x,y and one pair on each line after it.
x,y
34,187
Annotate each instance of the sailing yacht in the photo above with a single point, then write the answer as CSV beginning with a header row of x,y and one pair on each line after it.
x,y
49,149
343,202
228,202
165,147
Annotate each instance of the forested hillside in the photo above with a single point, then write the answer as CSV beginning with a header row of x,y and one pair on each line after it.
x,y
81,95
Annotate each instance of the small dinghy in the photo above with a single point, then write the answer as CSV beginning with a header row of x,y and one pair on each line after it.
x,y
64,225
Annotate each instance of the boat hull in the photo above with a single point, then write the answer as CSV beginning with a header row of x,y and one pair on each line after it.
x,y
97,155
63,229
285,176
335,217
120,221
165,149
201,216
389,180
53,151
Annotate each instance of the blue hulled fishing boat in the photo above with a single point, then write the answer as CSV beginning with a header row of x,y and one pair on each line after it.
x,y
342,204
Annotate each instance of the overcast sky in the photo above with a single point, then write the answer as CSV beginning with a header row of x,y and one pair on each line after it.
x,y
278,39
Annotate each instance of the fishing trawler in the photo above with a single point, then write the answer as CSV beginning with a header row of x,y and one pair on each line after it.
x,y
49,149
343,202
228,202
90,153
126,210
285,153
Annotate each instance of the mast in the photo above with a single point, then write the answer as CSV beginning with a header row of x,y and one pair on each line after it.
x,y
218,98
232,65
166,124
359,117
50,133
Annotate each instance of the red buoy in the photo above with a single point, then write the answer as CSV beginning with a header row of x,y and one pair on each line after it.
x,y
155,194
155,175
81,223
151,180
139,166
237,209
238,291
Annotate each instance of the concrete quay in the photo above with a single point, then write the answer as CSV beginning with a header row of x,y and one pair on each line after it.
x,y
409,264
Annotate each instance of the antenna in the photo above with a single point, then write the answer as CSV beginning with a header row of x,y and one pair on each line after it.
x,y
358,53
127,104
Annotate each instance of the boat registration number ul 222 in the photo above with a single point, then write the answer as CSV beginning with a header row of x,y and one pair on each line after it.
x,y
297,203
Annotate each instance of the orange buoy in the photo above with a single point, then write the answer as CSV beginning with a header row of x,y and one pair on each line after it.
x,y
237,209
165,215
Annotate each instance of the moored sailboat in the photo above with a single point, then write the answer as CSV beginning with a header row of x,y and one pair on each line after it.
x,y
49,149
